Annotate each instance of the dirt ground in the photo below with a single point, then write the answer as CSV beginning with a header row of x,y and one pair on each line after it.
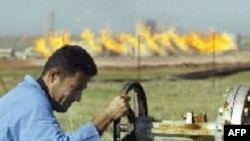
x,y
14,64
241,59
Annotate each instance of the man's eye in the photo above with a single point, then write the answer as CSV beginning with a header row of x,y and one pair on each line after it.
x,y
78,88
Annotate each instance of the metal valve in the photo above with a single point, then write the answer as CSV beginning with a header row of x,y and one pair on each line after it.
x,y
235,111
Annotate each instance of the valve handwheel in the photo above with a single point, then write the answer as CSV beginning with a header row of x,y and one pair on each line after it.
x,y
140,109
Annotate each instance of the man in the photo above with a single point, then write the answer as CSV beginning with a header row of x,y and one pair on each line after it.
x,y
26,111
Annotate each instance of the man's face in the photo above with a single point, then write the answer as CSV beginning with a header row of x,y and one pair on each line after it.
x,y
67,90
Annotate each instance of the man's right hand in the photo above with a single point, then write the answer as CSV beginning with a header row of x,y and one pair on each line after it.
x,y
117,108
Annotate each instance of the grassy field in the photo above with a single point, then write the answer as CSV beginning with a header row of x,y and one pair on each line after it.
x,y
167,98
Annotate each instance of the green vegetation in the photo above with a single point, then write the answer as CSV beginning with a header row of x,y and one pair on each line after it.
x,y
167,98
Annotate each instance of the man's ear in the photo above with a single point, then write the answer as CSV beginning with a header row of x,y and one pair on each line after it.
x,y
53,75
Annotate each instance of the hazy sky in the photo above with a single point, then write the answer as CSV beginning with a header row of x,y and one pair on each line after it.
x,y
30,16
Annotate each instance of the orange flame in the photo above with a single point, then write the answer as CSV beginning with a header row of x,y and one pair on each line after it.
x,y
110,43
54,41
132,43
89,37
146,33
210,42
151,43
41,48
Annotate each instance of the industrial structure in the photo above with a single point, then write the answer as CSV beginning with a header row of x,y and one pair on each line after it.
x,y
143,127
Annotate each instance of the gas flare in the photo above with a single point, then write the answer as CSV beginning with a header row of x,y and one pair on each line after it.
x,y
46,46
111,43
162,43
90,39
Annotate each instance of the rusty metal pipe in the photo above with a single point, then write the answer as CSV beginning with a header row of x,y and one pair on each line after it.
x,y
147,129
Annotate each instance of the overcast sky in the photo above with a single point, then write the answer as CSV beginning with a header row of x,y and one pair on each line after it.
x,y
30,16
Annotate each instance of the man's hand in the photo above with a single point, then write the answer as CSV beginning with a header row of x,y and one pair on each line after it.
x,y
117,108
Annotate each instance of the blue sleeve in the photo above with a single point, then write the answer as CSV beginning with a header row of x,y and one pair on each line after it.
x,y
33,120
43,126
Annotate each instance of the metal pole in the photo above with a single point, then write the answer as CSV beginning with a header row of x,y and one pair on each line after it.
x,y
214,56
139,59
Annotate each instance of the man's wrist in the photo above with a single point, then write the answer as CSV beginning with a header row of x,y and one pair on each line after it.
x,y
102,121
99,131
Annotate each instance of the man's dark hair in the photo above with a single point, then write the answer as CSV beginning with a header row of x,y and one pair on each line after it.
x,y
69,59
